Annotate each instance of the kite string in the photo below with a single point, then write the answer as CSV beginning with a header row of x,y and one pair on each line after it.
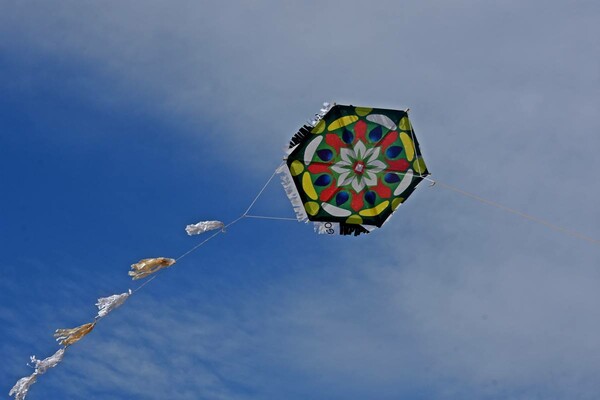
x,y
262,190
521,214
209,238
244,215
269,217
188,252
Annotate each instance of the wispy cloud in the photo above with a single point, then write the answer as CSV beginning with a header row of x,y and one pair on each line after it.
x,y
257,68
469,330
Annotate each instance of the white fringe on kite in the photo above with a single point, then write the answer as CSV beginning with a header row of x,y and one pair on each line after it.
x,y
41,366
324,110
286,178
22,386
292,193
203,226
107,304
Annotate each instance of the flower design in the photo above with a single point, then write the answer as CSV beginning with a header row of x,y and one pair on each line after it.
x,y
353,168
359,166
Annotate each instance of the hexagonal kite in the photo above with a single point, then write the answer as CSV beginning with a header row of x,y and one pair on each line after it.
x,y
350,168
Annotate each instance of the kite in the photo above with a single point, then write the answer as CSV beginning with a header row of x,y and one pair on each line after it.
x,y
347,171
350,168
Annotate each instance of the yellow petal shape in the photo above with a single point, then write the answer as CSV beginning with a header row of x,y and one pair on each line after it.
x,y
372,212
308,187
354,219
319,127
311,207
296,168
409,147
419,166
396,202
362,111
340,122
404,124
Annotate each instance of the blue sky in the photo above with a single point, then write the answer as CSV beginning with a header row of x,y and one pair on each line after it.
x,y
120,123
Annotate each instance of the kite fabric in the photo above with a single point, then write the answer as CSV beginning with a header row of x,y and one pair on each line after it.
x,y
350,168
203,226
67,337
148,266
41,366
107,304
22,387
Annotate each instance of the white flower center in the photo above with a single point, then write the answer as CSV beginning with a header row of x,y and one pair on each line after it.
x,y
358,166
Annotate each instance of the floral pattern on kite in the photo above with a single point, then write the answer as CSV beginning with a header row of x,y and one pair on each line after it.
x,y
356,166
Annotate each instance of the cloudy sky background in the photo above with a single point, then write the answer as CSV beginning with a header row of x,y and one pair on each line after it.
x,y
121,122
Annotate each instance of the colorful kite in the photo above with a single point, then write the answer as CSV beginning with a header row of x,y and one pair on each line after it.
x,y
347,171
350,168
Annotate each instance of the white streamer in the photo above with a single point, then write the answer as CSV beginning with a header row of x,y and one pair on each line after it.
x,y
203,226
107,304
22,387
41,366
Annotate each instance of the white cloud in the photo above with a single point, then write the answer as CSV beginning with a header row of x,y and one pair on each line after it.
x,y
265,67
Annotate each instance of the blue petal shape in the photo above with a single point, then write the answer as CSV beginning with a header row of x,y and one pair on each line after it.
x,y
325,154
375,134
347,136
341,198
370,197
391,178
323,180
393,151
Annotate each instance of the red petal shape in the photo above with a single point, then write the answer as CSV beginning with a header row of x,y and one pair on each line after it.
x,y
318,168
398,165
334,141
328,193
357,201
360,130
390,138
382,190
